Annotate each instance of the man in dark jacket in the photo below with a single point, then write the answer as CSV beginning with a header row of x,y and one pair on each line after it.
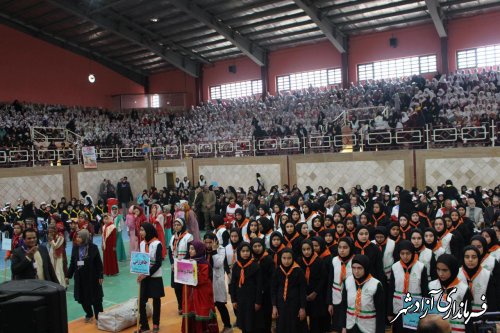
x,y
124,193
32,261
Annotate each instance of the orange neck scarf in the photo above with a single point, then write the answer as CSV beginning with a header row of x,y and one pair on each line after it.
x,y
452,284
358,293
471,279
377,220
150,241
362,248
275,257
308,265
381,245
407,269
242,273
178,239
325,253
289,242
287,275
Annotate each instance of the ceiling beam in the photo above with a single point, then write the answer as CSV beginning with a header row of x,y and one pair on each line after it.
x,y
106,6
131,73
245,45
119,28
434,12
155,37
332,33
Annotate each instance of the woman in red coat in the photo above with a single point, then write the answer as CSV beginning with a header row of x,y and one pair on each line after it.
x,y
157,219
109,246
139,220
199,310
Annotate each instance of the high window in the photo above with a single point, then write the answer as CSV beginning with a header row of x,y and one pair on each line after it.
x,y
395,68
236,89
304,80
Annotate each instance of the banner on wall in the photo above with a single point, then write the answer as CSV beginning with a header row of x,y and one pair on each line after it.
x,y
89,157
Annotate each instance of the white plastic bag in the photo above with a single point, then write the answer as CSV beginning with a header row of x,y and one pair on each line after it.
x,y
121,317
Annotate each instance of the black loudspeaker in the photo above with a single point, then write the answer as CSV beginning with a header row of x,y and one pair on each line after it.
x,y
232,69
33,306
393,42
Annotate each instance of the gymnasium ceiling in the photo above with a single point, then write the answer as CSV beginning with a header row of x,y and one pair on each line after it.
x,y
140,37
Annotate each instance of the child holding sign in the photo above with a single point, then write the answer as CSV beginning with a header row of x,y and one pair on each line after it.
x,y
199,310
152,284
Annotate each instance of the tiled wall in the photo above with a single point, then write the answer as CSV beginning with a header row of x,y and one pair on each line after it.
x,y
350,169
34,184
349,174
470,167
33,188
90,180
241,175
464,166
241,171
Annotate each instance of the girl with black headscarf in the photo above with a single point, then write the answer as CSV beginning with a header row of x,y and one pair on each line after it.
x,y
447,270
386,247
275,247
265,261
292,239
329,237
487,261
230,249
432,242
312,266
288,295
479,280
309,213
364,246
490,236
424,254
408,276
340,270
379,217
363,300
317,226
246,288
151,285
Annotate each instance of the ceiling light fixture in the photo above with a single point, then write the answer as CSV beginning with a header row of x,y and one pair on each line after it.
x,y
154,19
91,78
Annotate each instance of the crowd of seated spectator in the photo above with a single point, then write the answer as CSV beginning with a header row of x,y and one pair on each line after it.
x,y
455,100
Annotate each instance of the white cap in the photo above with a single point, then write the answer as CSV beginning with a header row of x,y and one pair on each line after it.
x,y
440,193
396,192
43,203
395,198
364,194
414,198
374,198
463,197
433,199
485,196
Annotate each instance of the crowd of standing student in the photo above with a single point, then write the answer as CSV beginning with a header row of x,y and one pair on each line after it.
x,y
309,260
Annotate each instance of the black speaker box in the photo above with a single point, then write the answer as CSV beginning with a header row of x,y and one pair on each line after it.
x,y
38,305
232,69
393,42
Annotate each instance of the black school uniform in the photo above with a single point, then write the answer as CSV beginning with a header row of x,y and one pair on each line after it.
x,y
288,308
264,316
316,279
294,242
246,295
376,268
